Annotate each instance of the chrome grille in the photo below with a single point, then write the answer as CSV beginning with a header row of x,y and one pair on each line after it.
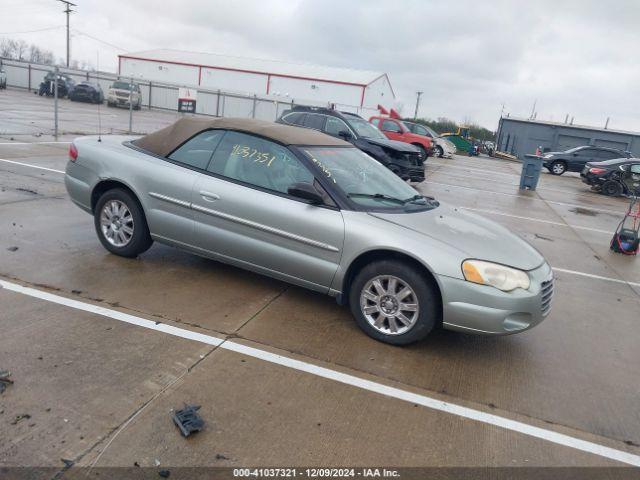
x,y
547,295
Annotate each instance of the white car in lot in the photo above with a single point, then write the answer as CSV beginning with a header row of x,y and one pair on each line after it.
x,y
119,93
441,146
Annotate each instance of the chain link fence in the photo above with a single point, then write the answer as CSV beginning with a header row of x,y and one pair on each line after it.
x,y
161,97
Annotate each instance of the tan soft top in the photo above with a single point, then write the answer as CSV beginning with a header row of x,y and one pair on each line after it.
x,y
165,141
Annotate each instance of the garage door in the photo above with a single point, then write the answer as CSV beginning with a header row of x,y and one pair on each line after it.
x,y
611,144
565,142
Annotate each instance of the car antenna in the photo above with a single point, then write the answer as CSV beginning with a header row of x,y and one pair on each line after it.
x,y
100,102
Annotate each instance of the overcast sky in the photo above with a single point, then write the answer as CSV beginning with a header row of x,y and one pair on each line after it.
x,y
469,57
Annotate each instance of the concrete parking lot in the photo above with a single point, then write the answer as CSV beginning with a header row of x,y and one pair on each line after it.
x,y
102,348
25,115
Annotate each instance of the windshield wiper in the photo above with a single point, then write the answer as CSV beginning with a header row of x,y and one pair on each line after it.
x,y
430,201
381,196
414,198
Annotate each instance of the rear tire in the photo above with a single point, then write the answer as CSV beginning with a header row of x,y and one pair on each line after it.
x,y
557,168
394,302
611,188
120,224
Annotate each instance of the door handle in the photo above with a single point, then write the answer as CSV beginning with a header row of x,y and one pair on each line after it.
x,y
208,196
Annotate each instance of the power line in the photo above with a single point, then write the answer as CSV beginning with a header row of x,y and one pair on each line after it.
x,y
99,40
31,31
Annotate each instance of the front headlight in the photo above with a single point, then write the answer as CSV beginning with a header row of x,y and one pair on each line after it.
x,y
496,275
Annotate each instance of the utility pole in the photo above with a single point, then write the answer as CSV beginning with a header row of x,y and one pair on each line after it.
x,y
55,102
68,11
418,94
533,109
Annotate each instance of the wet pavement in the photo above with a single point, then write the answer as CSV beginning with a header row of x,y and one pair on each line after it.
x,y
100,392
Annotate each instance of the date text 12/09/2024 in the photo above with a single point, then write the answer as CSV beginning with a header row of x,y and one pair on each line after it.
x,y
315,473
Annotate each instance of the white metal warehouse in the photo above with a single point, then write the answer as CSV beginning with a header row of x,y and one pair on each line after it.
x,y
342,86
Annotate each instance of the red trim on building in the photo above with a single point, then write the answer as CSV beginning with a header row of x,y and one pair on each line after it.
x,y
244,71
388,81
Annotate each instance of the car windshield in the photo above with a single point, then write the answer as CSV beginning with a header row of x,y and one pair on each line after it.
x,y
122,86
364,128
365,181
420,129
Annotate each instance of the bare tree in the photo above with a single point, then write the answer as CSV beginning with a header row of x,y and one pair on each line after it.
x,y
21,50
7,48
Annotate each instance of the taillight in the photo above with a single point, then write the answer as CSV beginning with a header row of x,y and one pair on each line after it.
x,y
597,171
73,153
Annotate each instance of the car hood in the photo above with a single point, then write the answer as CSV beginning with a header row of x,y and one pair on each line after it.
x,y
393,144
473,235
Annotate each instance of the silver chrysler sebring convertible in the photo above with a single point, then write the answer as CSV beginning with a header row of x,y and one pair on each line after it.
x,y
315,211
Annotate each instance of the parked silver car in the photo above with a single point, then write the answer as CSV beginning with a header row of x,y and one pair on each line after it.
x,y
314,211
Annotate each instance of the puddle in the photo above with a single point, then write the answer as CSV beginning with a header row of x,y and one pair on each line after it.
x,y
584,211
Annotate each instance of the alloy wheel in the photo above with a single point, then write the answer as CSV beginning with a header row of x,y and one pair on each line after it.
x,y
389,304
558,168
116,223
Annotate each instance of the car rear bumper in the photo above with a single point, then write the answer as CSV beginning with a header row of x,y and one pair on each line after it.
x,y
593,180
485,310
79,180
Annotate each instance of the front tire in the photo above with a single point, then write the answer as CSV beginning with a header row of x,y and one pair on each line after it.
x,y
439,151
121,225
611,188
557,168
393,302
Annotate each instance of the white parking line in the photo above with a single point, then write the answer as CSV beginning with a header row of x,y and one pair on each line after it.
x,y
344,378
598,277
32,166
584,206
34,143
531,219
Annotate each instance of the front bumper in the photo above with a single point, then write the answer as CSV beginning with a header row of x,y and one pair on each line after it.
x,y
414,174
122,101
481,309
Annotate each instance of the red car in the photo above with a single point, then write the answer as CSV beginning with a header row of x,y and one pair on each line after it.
x,y
396,130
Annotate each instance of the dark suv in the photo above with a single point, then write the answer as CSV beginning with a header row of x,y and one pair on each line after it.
x,y
574,159
401,158
65,85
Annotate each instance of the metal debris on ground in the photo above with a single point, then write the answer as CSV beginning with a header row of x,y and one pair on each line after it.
x,y
187,420
5,381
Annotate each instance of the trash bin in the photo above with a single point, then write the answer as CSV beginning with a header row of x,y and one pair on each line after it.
x,y
531,167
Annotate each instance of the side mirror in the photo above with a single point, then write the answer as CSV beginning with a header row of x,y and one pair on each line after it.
x,y
305,191
345,135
